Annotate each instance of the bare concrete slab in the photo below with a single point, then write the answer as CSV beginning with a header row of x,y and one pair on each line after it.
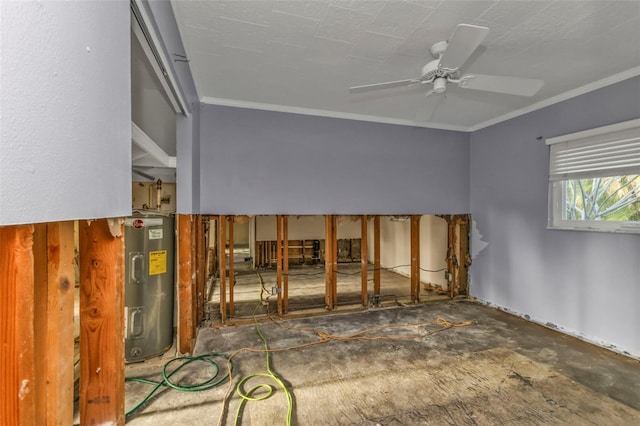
x,y
410,367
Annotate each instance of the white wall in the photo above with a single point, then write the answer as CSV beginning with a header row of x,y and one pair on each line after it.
x,y
65,111
395,247
585,283
240,233
305,227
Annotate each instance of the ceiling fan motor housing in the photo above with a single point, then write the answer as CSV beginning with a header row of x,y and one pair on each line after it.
x,y
431,71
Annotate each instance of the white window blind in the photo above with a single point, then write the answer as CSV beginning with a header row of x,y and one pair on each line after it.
x,y
605,151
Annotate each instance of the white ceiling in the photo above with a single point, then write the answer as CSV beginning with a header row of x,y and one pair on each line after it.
x,y
303,55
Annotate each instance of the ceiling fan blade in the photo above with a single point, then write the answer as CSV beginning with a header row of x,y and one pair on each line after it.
x,y
463,42
380,86
500,84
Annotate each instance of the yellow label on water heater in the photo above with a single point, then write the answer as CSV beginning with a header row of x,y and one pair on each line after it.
x,y
157,262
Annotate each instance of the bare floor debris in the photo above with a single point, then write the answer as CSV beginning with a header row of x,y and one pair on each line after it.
x,y
498,370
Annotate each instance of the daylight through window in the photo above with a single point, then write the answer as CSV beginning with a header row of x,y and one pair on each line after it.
x,y
594,179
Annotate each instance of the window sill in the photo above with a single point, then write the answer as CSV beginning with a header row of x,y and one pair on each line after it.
x,y
628,229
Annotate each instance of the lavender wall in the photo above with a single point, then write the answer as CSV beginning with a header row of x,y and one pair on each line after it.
x,y
586,283
264,162
65,111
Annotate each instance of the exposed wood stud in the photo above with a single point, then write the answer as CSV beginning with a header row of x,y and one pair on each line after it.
x,y
222,268
334,260
101,324
186,324
200,267
464,258
41,305
450,255
232,277
285,282
279,261
376,256
328,261
415,258
194,271
54,331
364,275
17,372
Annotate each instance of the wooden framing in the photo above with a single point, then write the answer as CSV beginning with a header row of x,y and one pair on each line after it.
x,y
328,261
232,275
53,252
458,257
101,324
200,267
415,258
465,256
334,260
186,326
450,255
279,262
364,273
17,373
222,264
285,266
194,272
376,257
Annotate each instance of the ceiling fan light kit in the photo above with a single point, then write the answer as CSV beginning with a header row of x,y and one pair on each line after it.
x,y
450,57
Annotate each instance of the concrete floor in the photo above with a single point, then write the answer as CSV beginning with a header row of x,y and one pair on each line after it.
x,y
499,369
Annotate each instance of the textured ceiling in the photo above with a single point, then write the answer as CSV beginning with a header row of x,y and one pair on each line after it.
x,y
302,56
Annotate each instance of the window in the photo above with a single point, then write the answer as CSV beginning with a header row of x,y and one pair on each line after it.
x,y
594,179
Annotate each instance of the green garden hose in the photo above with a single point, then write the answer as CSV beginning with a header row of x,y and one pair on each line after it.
x,y
189,387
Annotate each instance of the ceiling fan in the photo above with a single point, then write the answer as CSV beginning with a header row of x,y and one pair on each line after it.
x,y
445,69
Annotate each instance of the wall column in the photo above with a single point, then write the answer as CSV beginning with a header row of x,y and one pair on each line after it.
x,y
376,258
17,375
222,264
53,252
415,258
364,256
186,325
101,324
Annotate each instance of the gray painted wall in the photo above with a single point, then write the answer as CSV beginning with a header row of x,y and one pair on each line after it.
x,y
65,108
264,162
586,283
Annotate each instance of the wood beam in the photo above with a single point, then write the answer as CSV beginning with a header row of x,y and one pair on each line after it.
x,y
464,257
194,271
376,257
450,255
101,324
54,330
222,264
41,305
334,260
328,261
232,276
285,282
17,372
415,258
279,261
200,267
186,326
364,273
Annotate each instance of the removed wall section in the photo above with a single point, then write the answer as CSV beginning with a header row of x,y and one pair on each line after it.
x,y
395,248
